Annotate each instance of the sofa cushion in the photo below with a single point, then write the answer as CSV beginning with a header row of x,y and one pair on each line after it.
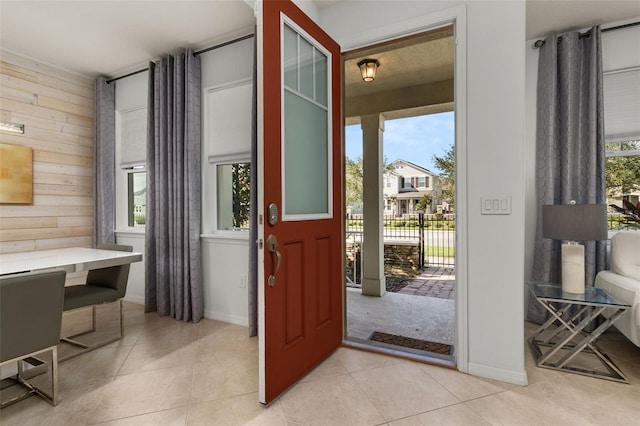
x,y
625,290
625,254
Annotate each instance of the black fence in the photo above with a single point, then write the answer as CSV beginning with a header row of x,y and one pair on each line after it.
x,y
434,234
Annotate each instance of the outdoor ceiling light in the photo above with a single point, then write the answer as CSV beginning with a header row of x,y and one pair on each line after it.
x,y
8,126
368,68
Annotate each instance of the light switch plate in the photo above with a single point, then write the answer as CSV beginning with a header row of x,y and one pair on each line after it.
x,y
495,205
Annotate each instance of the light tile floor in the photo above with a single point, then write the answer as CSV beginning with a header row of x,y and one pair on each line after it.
x,y
166,372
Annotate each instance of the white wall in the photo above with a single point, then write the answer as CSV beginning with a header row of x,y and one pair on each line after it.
x,y
494,128
224,257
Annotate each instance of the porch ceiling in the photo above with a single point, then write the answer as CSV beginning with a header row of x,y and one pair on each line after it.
x,y
415,77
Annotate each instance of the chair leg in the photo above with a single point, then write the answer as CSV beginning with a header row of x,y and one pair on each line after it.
x,y
22,379
121,319
54,376
86,347
93,318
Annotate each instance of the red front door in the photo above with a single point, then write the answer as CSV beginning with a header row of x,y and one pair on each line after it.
x,y
300,197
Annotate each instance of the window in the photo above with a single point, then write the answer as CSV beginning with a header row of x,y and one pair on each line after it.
x,y
621,90
131,175
406,183
233,196
622,174
137,197
423,181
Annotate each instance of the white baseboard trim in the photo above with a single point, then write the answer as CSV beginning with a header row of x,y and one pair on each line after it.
x,y
508,376
224,317
134,299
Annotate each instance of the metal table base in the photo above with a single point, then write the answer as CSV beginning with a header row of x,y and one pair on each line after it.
x,y
559,341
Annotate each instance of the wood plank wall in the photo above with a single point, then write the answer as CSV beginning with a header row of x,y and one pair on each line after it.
x,y
57,110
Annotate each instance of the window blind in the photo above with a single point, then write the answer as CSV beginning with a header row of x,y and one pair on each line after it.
x,y
622,105
133,133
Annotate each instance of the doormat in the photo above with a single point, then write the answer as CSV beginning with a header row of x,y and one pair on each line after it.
x,y
408,342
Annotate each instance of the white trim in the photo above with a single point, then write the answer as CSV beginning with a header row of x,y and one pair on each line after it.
x,y
240,238
500,374
405,28
458,16
211,217
285,20
134,299
225,317
131,233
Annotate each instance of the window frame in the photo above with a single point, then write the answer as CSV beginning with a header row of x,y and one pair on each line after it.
x,y
210,206
122,171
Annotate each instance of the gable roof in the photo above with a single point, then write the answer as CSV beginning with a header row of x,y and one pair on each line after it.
x,y
415,166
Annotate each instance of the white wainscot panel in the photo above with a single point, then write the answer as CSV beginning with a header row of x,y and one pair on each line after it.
x,y
225,269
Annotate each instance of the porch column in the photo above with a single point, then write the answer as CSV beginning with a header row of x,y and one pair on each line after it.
x,y
373,281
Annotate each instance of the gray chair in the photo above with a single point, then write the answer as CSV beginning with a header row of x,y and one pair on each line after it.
x,y
105,285
30,322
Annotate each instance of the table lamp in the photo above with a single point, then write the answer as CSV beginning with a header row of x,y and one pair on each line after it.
x,y
573,223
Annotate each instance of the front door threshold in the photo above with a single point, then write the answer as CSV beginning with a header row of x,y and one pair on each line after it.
x,y
447,361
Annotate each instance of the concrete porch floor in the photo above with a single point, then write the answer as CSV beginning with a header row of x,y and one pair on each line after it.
x,y
424,309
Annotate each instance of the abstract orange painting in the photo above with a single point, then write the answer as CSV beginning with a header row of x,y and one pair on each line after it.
x,y
16,174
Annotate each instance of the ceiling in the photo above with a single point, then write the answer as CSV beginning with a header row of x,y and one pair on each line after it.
x,y
405,63
114,37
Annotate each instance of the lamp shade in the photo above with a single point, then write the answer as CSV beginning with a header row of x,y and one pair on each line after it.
x,y
575,222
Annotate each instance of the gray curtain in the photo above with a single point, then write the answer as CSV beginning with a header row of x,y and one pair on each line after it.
x,y
104,163
173,260
570,145
253,206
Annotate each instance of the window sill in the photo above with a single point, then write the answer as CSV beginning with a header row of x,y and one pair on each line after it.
x,y
130,232
226,236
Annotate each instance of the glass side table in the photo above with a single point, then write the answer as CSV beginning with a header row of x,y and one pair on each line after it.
x,y
561,342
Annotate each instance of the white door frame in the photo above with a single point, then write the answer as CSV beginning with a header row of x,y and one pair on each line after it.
x,y
458,16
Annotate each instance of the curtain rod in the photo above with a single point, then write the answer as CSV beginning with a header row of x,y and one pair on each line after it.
x,y
199,52
540,43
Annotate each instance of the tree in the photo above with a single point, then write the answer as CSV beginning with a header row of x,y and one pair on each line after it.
x,y
241,193
447,167
424,203
622,174
353,181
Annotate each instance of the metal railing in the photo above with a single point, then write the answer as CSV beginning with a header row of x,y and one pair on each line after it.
x,y
433,233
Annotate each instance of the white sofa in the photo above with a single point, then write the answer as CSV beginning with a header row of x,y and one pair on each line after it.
x,y
622,280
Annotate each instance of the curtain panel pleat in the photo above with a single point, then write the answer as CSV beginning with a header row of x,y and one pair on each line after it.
x,y
570,150
104,163
173,257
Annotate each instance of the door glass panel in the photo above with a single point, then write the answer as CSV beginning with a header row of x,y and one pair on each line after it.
x,y
306,154
290,58
306,145
321,83
306,68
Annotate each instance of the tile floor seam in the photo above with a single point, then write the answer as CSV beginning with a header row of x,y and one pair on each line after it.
x,y
385,421
139,415
427,411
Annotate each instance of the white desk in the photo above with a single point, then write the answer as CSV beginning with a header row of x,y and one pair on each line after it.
x,y
74,259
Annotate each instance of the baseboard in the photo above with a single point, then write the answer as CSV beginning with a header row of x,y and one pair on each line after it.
x,y
500,374
134,299
231,319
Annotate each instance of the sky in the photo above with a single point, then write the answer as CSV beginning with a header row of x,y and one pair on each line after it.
x,y
415,139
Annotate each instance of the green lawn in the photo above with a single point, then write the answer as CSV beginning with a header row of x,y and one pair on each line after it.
x,y
440,251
